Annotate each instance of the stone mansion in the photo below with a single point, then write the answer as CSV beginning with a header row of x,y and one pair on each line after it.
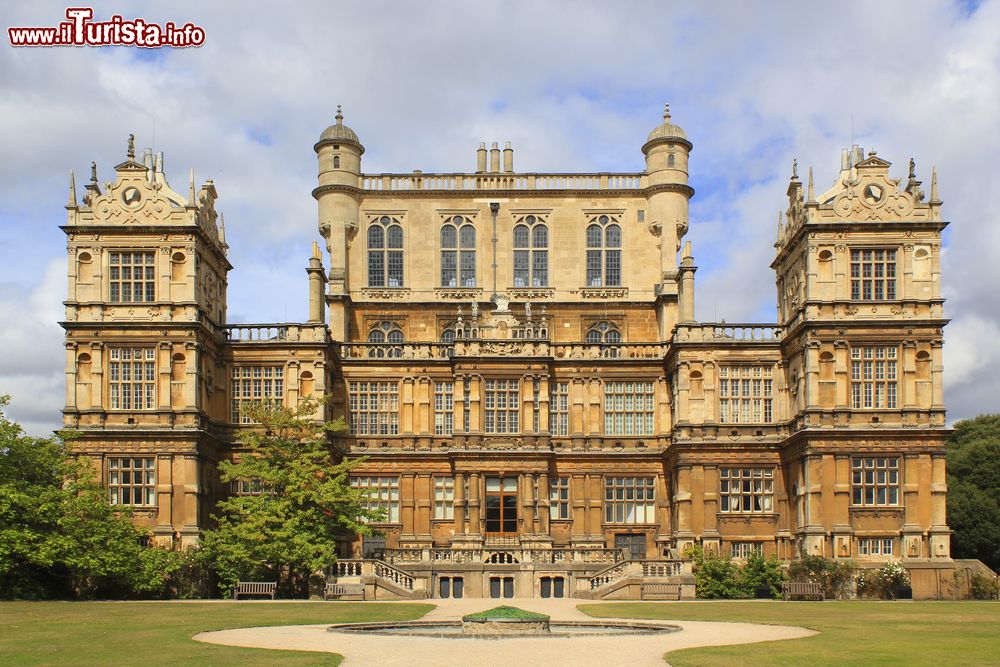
x,y
518,360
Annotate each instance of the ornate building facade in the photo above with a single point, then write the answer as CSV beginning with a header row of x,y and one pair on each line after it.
x,y
519,362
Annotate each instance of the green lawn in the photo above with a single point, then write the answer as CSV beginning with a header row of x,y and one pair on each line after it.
x,y
851,633
159,633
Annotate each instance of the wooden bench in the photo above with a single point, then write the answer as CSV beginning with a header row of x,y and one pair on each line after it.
x,y
344,591
254,588
792,589
660,592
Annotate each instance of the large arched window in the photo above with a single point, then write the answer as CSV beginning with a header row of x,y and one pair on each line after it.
x,y
458,252
604,252
385,252
607,335
531,254
386,332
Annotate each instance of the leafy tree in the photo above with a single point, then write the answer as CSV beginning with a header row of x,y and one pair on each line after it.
x,y
762,576
59,536
288,528
974,489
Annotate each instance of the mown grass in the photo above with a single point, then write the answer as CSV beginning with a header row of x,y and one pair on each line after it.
x,y
851,633
159,633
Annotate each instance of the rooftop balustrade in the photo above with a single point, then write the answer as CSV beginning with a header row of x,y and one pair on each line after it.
x,y
496,181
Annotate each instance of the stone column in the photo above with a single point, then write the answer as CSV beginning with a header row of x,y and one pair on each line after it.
x,y
423,496
578,505
527,484
475,504
476,425
407,499
543,405
543,503
594,505
458,393
459,504
71,374
406,421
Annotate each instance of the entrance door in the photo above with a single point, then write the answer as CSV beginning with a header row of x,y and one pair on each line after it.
x,y
501,505
634,545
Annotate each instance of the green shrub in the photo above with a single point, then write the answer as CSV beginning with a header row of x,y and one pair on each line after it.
x,y
835,576
884,582
983,587
722,578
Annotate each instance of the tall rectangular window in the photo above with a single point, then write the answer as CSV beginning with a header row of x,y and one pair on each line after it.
x,y
629,500
444,497
745,395
132,480
502,406
628,408
559,408
746,490
873,274
875,481
132,277
382,495
444,408
374,408
873,377
559,498
254,384
132,378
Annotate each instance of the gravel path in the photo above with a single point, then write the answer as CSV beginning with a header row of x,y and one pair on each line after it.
x,y
389,651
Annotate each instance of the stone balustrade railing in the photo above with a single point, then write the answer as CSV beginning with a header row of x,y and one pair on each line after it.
x,y
502,554
271,332
496,181
725,332
396,576
347,568
502,348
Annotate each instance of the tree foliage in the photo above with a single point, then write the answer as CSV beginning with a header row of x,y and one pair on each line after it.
x,y
721,578
974,489
59,536
302,501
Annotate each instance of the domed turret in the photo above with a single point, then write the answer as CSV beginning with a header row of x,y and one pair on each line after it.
x,y
339,133
666,129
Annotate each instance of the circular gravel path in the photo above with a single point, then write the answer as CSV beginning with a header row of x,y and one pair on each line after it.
x,y
635,651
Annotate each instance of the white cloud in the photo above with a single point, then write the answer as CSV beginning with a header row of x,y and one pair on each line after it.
x,y
575,86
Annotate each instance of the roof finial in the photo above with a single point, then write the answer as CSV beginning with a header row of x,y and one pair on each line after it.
x,y
72,189
222,229
934,188
811,192
666,113
795,169
191,195
131,147
316,253
781,227
93,173
339,116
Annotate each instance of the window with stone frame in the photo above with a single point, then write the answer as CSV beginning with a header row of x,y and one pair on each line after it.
x,y
248,487
875,547
559,498
745,395
132,276
389,336
131,378
382,495
630,500
629,408
458,252
132,480
873,377
253,385
875,481
531,254
374,408
444,408
502,406
743,550
607,335
746,490
385,252
559,408
873,274
604,252
444,497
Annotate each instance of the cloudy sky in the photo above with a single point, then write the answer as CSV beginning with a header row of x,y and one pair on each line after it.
x,y
575,86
